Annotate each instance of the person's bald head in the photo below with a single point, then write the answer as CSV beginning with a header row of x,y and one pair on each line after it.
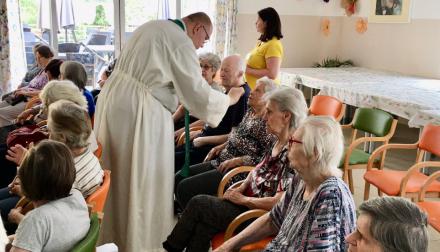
x,y
199,28
231,71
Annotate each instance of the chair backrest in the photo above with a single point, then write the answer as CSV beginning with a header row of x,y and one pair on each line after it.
x,y
375,121
68,47
98,198
430,139
325,105
88,244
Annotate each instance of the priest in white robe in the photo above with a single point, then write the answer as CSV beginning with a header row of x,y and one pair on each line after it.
x,y
157,68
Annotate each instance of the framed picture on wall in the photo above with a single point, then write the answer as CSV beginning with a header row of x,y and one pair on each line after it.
x,y
389,11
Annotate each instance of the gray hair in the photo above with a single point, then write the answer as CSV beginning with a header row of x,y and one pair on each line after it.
x,y
397,224
323,139
57,90
75,72
212,59
269,84
69,123
291,100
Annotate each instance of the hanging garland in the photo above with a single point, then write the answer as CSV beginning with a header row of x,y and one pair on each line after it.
x,y
349,6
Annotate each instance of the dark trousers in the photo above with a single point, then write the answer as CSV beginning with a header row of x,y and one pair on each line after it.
x,y
197,155
7,202
8,169
203,218
203,179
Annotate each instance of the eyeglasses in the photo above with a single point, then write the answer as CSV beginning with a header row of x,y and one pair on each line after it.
x,y
293,140
207,35
205,67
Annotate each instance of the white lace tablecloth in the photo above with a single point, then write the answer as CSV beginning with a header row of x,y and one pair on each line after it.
x,y
404,96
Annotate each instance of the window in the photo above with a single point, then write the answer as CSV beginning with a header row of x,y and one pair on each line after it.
x,y
84,31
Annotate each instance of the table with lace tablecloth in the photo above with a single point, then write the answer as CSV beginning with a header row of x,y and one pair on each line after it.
x,y
405,96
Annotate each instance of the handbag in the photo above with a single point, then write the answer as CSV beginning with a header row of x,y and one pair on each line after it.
x,y
26,135
13,99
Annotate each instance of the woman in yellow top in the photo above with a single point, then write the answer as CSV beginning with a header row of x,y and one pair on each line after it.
x,y
265,59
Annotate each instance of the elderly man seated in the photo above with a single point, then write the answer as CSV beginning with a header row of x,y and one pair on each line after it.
x,y
389,224
318,210
231,74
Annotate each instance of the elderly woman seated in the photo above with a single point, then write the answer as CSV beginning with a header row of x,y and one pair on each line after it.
x,y
389,224
318,210
245,146
210,64
206,215
60,218
11,108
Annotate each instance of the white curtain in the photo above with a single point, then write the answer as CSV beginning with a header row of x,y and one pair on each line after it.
x,y
226,31
12,69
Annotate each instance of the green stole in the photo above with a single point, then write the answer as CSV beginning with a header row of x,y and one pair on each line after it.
x,y
184,172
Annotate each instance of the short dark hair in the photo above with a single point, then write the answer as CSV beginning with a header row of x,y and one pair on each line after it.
x,y
273,24
53,67
397,224
47,171
45,51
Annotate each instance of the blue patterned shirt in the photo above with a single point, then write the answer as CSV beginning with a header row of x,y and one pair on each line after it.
x,y
318,224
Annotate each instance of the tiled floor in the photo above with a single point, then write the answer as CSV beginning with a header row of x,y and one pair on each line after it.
x,y
401,160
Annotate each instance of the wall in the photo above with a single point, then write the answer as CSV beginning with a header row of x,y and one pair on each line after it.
x,y
410,48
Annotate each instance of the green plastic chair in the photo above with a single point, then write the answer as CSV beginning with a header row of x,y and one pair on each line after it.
x,y
377,122
88,244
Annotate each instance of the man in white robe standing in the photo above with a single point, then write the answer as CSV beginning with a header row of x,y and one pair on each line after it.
x,y
157,68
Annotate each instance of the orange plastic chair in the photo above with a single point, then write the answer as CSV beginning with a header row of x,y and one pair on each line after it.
x,y
220,238
406,183
327,105
369,120
181,139
32,102
430,207
98,198
98,152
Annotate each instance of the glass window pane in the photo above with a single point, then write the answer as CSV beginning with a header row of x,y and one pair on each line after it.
x,y
86,34
138,12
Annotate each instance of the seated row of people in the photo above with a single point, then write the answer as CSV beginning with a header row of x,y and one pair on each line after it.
x,y
68,122
231,74
316,213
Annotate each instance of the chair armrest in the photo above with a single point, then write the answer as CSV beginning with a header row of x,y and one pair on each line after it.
x,y
388,147
341,113
229,175
413,169
248,215
182,136
431,179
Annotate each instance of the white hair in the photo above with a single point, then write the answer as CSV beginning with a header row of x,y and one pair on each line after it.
x,y
269,84
323,139
291,100
62,90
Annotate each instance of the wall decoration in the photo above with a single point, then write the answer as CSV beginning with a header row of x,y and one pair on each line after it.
x,y
389,11
361,25
349,6
325,27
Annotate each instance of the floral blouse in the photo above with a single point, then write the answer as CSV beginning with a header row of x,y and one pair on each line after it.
x,y
270,176
39,81
250,140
